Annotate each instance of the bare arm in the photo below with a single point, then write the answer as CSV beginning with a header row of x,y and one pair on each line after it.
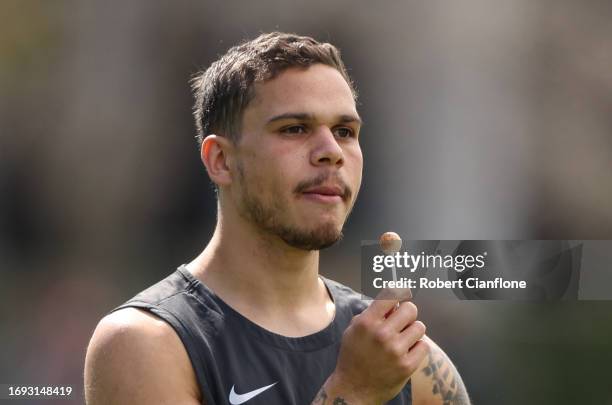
x,y
135,358
437,381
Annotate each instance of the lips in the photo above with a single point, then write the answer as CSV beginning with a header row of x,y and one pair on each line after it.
x,y
325,194
325,190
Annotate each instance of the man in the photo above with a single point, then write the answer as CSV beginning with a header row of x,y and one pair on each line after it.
x,y
250,320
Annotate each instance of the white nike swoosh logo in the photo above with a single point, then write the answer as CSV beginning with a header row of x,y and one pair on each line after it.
x,y
237,399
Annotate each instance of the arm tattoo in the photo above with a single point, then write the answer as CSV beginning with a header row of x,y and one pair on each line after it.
x,y
446,380
321,399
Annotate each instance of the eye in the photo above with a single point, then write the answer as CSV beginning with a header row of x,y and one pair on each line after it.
x,y
344,132
294,130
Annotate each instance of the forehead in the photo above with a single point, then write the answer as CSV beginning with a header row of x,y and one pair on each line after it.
x,y
319,90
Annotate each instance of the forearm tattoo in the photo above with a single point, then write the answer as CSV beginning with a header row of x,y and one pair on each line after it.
x,y
446,380
321,399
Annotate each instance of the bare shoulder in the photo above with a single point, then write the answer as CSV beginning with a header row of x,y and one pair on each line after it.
x,y
437,380
136,358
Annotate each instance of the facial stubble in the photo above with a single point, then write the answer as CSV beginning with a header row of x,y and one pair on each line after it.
x,y
271,218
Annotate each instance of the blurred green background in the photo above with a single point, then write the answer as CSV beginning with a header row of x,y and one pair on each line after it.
x,y
483,120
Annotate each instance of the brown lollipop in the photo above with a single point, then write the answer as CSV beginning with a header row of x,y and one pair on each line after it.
x,y
390,242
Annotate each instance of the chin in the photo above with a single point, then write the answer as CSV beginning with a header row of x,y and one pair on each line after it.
x,y
317,238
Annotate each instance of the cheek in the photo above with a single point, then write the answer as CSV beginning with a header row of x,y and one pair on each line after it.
x,y
267,176
355,165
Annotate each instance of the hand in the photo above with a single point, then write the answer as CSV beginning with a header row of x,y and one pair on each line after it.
x,y
380,350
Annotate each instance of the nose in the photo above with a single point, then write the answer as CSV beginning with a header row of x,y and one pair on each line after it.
x,y
326,151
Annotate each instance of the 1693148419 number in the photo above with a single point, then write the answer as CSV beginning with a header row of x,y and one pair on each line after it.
x,y
12,391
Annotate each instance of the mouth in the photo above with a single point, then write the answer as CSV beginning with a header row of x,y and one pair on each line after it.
x,y
325,194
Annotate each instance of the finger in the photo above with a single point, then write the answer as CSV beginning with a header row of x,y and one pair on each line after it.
x,y
403,316
386,301
416,355
411,335
394,294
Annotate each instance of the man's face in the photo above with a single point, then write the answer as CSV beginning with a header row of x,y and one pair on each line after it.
x,y
298,162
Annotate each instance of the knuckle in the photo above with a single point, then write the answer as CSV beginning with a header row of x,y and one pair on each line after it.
x,y
420,328
361,324
382,335
396,350
426,347
412,309
422,350
411,362
409,311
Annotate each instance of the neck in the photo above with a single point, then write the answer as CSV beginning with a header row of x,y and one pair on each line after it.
x,y
256,271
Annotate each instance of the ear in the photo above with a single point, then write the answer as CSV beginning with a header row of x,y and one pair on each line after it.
x,y
216,154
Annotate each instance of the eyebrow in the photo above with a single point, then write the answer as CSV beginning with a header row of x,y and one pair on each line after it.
x,y
344,118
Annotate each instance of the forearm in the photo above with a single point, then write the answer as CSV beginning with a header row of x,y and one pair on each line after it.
x,y
437,381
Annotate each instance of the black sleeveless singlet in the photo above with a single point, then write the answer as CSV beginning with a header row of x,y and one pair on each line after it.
x,y
238,362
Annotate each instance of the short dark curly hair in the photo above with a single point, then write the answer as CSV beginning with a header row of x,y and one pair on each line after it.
x,y
223,91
